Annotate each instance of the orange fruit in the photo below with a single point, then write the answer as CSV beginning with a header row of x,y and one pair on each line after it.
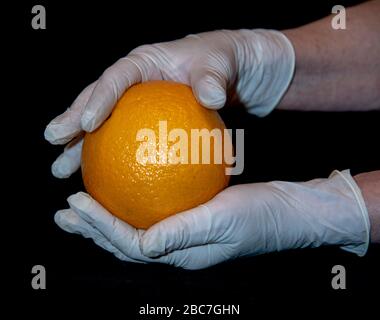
x,y
143,193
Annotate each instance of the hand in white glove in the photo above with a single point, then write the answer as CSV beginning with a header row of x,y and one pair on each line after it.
x,y
242,220
255,66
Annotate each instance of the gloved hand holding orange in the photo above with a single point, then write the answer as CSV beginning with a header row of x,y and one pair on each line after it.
x,y
254,67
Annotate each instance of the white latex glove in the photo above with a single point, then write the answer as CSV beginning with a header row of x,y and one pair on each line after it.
x,y
243,220
255,66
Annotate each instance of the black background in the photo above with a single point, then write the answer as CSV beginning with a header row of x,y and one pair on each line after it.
x,y
52,66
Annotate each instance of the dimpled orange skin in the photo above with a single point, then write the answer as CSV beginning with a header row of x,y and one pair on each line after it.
x,y
142,195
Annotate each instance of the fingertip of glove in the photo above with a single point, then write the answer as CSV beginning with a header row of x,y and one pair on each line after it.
x,y
210,95
61,168
58,216
90,120
80,200
49,134
62,218
152,245
56,133
87,121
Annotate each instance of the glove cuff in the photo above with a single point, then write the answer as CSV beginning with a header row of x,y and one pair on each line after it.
x,y
267,71
360,246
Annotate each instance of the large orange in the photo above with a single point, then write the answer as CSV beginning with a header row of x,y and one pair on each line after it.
x,y
143,194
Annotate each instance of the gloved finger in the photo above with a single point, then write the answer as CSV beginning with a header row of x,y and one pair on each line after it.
x,y
71,222
111,85
66,126
120,234
69,161
199,257
210,78
184,230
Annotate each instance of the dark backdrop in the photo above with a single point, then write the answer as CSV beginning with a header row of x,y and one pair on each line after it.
x,y
52,66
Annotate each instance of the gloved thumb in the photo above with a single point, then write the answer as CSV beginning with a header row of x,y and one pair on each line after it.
x,y
209,82
184,230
